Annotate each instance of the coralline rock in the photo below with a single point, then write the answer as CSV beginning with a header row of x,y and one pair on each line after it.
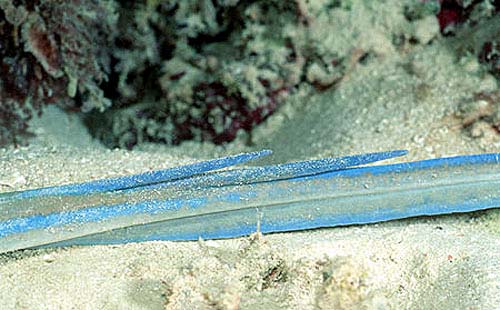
x,y
51,52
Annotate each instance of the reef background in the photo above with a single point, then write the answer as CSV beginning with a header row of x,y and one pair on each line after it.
x,y
342,77
171,71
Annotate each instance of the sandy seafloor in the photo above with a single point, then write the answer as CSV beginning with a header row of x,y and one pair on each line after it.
x,y
448,262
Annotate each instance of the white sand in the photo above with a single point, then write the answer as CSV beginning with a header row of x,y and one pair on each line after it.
x,y
450,262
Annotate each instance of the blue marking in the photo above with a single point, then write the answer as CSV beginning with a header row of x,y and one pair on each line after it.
x,y
94,214
412,166
245,223
138,180
241,222
347,219
273,173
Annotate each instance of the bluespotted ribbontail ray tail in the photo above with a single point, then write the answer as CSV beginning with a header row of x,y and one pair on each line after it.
x,y
230,203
